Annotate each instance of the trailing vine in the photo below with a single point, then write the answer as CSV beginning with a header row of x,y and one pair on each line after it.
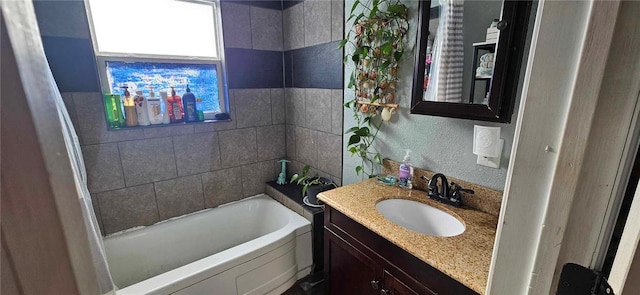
x,y
379,33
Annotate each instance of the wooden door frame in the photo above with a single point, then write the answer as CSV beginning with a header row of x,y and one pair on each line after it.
x,y
609,158
552,158
627,251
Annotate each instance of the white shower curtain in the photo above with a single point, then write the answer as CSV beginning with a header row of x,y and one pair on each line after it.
x,y
445,79
20,20
105,282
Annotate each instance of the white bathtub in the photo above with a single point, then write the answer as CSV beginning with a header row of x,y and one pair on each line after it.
x,y
253,246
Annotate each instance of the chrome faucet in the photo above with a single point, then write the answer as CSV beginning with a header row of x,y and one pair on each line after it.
x,y
451,195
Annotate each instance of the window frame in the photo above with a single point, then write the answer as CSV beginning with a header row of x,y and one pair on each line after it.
x,y
223,96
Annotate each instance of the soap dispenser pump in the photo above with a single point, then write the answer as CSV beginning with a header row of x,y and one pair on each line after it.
x,y
131,117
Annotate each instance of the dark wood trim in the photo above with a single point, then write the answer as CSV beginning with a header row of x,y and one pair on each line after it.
x,y
509,58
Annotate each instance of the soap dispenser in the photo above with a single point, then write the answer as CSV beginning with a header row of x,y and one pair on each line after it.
x,y
189,104
175,107
154,108
141,109
131,118
405,173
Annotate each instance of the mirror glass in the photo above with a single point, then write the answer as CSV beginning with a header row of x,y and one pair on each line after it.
x,y
460,51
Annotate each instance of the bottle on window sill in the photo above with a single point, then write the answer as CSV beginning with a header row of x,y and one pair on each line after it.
x,y
113,109
131,118
175,107
154,108
189,104
141,109
200,108
165,107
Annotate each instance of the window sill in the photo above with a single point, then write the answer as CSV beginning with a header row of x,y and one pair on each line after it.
x,y
167,125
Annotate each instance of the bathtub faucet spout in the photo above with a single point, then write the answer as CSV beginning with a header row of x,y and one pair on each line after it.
x,y
282,178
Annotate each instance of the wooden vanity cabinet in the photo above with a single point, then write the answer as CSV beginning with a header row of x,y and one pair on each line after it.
x,y
393,285
358,261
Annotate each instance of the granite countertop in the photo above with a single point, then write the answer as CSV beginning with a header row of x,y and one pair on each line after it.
x,y
465,258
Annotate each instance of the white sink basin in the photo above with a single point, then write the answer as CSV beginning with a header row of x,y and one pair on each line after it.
x,y
420,217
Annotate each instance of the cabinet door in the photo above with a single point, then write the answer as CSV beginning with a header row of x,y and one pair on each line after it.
x,y
394,286
349,271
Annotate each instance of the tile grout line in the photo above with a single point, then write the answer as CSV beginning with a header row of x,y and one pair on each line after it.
x,y
155,197
304,30
124,178
251,25
128,140
256,133
304,108
175,159
204,201
271,103
242,181
331,20
219,155
284,70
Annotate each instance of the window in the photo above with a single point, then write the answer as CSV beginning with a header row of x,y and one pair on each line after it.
x,y
160,43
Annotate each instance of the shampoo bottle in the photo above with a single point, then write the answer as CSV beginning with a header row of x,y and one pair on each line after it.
x,y
405,173
175,107
141,109
165,107
129,108
189,104
113,109
154,108
200,108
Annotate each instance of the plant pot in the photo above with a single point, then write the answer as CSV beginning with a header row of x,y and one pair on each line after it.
x,y
314,190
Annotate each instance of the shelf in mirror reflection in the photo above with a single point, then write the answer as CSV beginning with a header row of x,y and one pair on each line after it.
x,y
483,69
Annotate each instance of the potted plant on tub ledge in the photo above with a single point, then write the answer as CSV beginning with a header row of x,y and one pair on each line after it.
x,y
312,186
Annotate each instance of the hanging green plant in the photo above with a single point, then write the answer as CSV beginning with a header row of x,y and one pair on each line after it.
x,y
379,39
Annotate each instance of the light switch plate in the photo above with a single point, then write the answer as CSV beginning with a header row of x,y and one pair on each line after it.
x,y
489,161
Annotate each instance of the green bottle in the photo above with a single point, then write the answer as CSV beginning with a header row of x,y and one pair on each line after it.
x,y
113,110
200,109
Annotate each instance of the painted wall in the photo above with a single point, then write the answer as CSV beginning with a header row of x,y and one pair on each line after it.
x,y
438,144
144,175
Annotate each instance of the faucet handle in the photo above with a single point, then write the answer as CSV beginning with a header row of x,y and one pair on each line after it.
x,y
456,194
432,186
457,188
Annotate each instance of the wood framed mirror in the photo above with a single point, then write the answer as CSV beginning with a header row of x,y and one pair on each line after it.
x,y
482,73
